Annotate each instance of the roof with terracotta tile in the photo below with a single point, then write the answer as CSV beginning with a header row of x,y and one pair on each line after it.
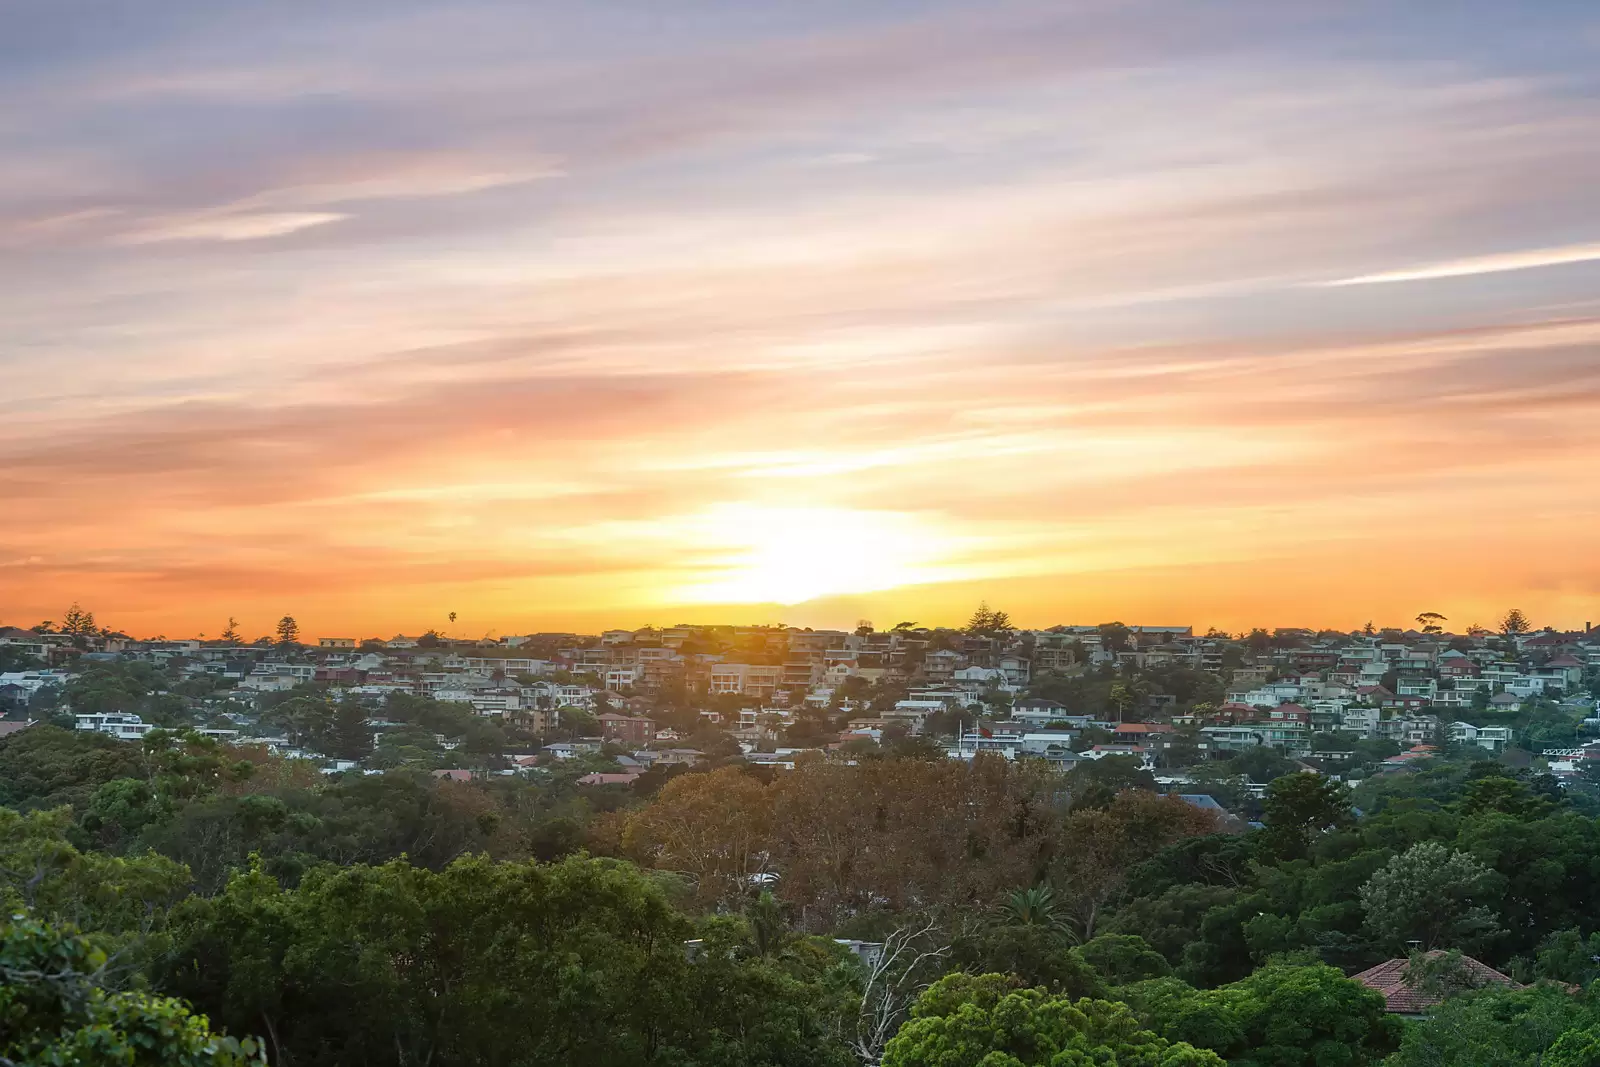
x,y
1391,979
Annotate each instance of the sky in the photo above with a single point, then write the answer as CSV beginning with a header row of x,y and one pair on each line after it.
x,y
577,315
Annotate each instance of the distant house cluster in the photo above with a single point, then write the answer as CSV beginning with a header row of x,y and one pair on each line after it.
x,y
1300,693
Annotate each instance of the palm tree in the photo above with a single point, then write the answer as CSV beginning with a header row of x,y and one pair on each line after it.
x,y
768,931
1035,907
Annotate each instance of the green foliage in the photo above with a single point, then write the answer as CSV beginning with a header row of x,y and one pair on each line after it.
x,y
55,1011
980,1021
1095,784
1261,764
1281,1016
1122,959
123,901
1568,956
1498,1027
578,962
1430,894
46,767
1171,922
1298,808
1575,1048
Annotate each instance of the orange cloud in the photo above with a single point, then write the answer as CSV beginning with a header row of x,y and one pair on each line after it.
x,y
860,313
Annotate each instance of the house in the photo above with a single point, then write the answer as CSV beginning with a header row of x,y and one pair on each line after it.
x,y
674,757
1138,733
1137,751
870,953
1401,995
623,677
913,713
1508,702
1459,668
1039,712
571,749
1493,738
1203,801
1564,671
118,724
750,679
1232,738
626,729
608,778
1408,758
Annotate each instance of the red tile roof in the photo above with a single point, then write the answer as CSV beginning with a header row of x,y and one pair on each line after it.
x,y
1391,979
607,778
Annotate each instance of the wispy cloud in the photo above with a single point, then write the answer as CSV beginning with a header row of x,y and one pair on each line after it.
x,y
305,323
229,227
1531,259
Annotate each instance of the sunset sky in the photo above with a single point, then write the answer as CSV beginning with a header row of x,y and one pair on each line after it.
x,y
571,315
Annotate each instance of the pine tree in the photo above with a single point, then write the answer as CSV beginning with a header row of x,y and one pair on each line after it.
x,y
78,623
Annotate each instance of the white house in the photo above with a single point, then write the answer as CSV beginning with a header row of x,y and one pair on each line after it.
x,y
119,724
1493,738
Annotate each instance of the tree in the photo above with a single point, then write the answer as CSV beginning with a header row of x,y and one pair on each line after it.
x,y
55,1010
1122,959
1505,795
1514,622
1429,894
1568,956
1496,1027
968,1020
1262,763
1097,783
712,828
122,902
1114,636
523,964
288,631
1298,808
986,622
1430,620
349,736
911,957
1097,849
79,624
1121,698
231,634
1028,936
1283,1015
1575,1048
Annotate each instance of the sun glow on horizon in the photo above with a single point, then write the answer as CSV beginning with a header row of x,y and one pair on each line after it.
x,y
780,555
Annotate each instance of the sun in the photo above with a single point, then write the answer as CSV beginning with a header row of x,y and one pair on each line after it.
x,y
777,555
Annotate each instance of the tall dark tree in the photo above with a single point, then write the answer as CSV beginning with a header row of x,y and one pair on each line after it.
x,y
1298,808
79,625
288,631
349,736
1514,622
986,622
